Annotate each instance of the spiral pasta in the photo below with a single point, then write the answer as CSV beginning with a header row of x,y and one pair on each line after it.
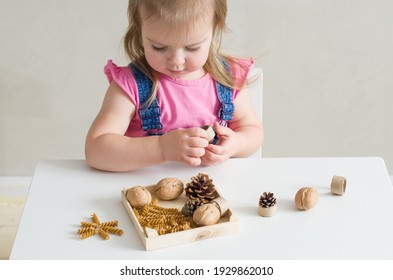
x,y
87,232
102,229
103,234
163,220
95,219
88,224
114,223
112,230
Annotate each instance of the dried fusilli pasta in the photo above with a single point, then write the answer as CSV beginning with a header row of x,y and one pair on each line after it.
x,y
110,224
88,224
87,232
112,230
103,234
95,219
164,220
90,228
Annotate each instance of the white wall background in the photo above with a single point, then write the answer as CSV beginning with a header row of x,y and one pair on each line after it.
x,y
328,68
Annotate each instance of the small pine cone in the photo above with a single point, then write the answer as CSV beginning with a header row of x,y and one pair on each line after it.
x,y
201,188
267,200
190,206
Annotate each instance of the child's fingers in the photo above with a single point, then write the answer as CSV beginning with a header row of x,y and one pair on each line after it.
x,y
215,149
198,142
193,161
222,130
195,152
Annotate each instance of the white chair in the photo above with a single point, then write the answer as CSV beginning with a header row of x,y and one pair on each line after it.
x,y
256,93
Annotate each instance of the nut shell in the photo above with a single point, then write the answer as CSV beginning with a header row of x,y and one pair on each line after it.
x,y
169,188
206,215
210,133
306,198
138,196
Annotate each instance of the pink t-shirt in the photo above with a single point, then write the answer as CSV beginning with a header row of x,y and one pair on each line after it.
x,y
183,103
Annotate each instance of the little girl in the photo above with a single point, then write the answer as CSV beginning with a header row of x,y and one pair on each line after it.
x,y
177,82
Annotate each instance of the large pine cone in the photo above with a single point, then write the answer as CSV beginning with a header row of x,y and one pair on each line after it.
x,y
201,188
267,200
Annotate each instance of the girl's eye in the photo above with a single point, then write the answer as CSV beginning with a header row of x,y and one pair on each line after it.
x,y
192,49
159,49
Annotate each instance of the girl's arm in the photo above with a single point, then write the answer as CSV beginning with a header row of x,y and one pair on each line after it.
x,y
108,149
242,137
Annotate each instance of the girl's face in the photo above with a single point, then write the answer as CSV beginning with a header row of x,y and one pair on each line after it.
x,y
176,53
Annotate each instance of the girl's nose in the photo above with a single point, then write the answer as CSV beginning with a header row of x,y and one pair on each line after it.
x,y
176,59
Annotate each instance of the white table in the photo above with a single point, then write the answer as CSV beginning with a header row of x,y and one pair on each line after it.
x,y
358,225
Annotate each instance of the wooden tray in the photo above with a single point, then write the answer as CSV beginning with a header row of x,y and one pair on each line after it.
x,y
228,224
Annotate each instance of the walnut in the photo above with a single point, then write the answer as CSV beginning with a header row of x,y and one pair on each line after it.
x,y
138,196
169,188
205,215
306,198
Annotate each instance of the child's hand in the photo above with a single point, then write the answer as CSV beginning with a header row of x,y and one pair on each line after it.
x,y
184,145
224,149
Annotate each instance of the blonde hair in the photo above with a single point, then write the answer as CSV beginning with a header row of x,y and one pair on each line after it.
x,y
180,13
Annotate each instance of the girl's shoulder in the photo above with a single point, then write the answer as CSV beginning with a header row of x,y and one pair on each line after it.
x,y
240,67
114,72
123,77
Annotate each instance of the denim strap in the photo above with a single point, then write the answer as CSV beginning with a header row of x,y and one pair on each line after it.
x,y
150,115
225,95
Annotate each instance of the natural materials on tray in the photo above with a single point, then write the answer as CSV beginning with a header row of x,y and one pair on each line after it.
x,y
201,188
102,229
306,198
162,220
267,206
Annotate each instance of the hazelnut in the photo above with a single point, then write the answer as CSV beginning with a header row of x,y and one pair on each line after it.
x,y
306,198
138,196
169,188
206,215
